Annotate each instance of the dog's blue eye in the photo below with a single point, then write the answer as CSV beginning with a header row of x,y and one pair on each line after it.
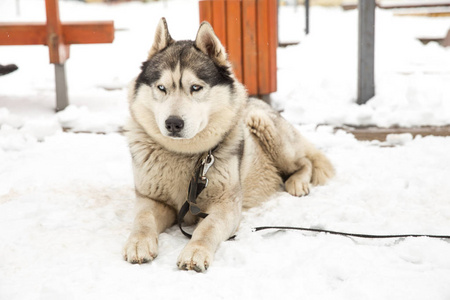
x,y
161,88
196,88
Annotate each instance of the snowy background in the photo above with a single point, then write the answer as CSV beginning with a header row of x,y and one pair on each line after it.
x,y
66,198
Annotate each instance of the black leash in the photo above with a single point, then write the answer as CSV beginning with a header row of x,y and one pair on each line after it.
x,y
359,235
199,182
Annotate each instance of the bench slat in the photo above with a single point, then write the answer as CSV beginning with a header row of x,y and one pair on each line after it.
x,y
23,34
88,32
250,51
73,33
262,18
234,36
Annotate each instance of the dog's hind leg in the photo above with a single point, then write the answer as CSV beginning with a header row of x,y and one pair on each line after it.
x,y
152,218
291,153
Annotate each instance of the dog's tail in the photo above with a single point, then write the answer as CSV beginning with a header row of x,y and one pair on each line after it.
x,y
322,169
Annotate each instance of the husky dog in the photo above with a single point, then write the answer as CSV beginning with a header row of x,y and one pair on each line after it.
x,y
185,102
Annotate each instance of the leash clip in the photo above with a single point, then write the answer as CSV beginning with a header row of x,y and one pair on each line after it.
x,y
207,162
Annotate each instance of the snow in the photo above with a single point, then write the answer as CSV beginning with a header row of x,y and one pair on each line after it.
x,y
66,199
411,80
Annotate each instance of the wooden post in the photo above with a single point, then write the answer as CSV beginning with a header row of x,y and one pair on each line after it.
x,y
58,51
366,50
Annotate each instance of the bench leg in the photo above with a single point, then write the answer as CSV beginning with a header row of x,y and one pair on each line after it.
x,y
366,51
62,100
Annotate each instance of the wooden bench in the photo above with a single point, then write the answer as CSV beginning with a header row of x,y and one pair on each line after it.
x,y
58,37
248,30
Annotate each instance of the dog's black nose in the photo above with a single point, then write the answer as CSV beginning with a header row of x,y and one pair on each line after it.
x,y
174,124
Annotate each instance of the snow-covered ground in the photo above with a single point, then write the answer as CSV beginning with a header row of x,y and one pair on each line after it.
x,y
66,199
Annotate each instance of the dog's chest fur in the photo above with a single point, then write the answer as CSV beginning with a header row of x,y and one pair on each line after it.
x,y
160,174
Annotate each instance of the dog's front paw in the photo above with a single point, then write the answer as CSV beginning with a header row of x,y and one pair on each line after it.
x,y
297,187
140,248
195,257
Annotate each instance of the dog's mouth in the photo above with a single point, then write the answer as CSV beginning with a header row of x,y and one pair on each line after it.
x,y
175,136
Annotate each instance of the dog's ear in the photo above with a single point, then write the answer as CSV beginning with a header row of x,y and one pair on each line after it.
x,y
207,42
162,38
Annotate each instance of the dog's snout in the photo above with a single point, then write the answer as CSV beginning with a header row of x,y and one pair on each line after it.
x,y
174,124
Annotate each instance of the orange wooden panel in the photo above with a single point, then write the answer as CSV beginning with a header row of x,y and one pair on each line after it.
x,y
218,20
205,11
23,34
249,38
59,52
248,30
273,44
88,32
262,17
234,35
73,33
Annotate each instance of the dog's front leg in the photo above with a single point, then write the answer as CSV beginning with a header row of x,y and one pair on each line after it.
x,y
221,223
152,218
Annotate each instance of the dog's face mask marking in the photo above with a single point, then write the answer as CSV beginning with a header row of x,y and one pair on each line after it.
x,y
178,79
179,105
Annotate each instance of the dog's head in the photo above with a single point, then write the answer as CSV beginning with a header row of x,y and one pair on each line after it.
x,y
186,96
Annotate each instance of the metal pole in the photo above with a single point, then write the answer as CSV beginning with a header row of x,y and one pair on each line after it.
x,y
307,16
62,99
17,8
366,50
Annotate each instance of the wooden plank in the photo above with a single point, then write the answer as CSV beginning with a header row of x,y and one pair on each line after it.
x,y
262,16
422,13
205,11
250,58
426,40
273,44
59,52
73,33
366,51
23,34
349,6
377,133
234,35
218,18
88,32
